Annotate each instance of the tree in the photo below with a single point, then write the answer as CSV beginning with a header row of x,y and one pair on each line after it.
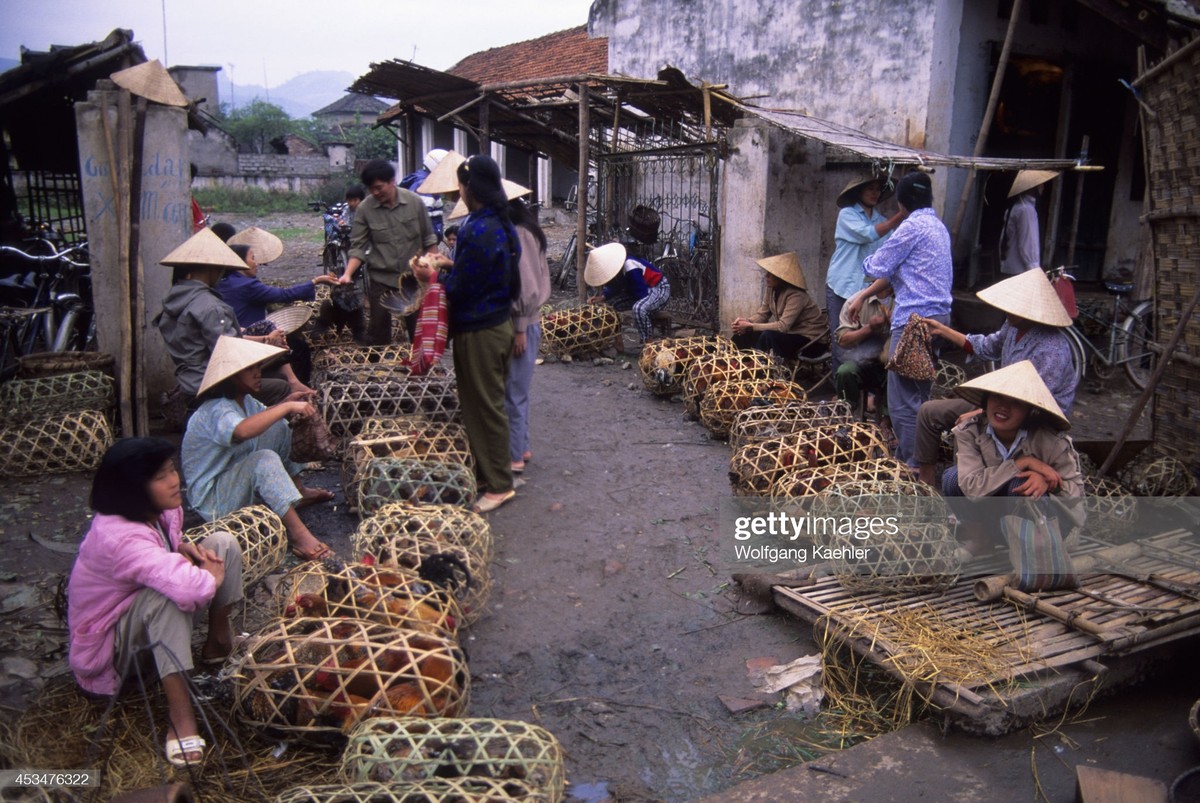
x,y
256,124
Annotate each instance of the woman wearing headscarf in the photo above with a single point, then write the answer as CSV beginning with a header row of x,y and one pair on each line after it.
x,y
481,284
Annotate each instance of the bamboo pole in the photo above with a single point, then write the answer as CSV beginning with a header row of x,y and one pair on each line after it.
x,y
581,206
1083,152
988,115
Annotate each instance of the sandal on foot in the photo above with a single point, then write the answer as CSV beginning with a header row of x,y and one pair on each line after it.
x,y
177,750
518,468
319,552
486,505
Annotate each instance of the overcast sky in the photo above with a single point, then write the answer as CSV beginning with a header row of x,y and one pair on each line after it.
x,y
282,38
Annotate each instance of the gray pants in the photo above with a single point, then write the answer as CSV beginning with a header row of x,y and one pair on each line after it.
x,y
516,393
156,623
934,418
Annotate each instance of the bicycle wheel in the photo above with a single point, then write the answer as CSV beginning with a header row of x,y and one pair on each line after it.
x,y
331,259
567,269
1078,353
1135,342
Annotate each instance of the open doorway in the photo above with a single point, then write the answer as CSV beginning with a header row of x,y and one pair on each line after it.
x,y
1025,126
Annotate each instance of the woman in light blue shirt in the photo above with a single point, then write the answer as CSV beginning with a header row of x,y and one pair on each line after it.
x,y
860,231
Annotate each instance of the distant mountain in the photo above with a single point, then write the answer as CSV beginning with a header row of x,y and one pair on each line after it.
x,y
299,96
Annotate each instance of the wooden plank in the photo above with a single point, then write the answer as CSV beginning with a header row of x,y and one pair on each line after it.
x,y
1095,785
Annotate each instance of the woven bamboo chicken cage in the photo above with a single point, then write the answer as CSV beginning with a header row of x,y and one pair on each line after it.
x,y
761,422
356,363
407,479
387,595
756,466
712,369
402,438
438,790
345,406
24,399
448,524
947,377
56,444
664,362
807,482
1155,474
438,543
890,543
260,534
1111,510
53,363
579,329
723,402
316,678
411,749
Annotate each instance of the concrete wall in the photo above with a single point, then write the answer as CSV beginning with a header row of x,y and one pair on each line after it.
x,y
199,84
166,220
214,153
797,54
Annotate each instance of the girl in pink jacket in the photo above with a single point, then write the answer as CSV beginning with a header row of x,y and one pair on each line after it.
x,y
136,584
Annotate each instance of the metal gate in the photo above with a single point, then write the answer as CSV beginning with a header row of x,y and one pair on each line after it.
x,y
680,185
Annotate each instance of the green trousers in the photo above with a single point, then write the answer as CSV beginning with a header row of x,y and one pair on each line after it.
x,y
481,362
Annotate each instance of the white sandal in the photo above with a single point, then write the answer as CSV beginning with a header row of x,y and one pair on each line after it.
x,y
177,749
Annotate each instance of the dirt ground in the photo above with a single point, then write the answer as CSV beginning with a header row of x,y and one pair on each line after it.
x,y
612,620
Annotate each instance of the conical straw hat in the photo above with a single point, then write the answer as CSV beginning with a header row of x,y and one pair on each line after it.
x,y
511,190
204,249
786,267
1017,381
849,196
265,245
289,319
603,264
233,354
1028,179
1028,295
444,177
149,80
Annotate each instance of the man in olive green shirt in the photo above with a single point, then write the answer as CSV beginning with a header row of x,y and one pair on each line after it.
x,y
394,225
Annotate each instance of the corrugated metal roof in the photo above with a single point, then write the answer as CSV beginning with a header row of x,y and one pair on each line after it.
x,y
863,145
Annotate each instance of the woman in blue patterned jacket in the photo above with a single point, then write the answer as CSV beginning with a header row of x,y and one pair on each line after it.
x,y
481,284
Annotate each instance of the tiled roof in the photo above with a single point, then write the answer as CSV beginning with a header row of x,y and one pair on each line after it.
x,y
353,103
568,52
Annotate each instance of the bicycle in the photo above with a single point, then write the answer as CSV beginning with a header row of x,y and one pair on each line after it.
x,y
1130,332
54,302
690,269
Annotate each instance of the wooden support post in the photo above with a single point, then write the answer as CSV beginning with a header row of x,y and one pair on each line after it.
x,y
120,190
485,131
1083,152
989,113
137,285
582,205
